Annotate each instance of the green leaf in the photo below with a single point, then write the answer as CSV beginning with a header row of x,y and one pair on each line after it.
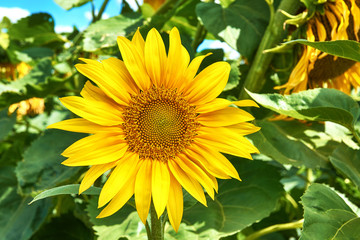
x,y
326,214
69,4
238,204
342,48
278,143
241,24
41,168
104,32
67,189
234,77
6,123
18,220
314,105
347,160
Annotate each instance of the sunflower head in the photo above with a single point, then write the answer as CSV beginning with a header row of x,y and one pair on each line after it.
x,y
157,124
339,20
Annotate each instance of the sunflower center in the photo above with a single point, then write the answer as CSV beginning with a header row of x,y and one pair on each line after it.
x,y
159,123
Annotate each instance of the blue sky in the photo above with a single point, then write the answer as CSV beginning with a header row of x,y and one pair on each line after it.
x,y
80,17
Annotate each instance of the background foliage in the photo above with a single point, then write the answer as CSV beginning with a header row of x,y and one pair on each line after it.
x,y
305,181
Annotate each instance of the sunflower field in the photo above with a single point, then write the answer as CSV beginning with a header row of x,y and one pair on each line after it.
x,y
182,119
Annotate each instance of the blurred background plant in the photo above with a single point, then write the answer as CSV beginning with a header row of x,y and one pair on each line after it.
x,y
303,184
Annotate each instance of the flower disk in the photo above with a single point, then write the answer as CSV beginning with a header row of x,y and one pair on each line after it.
x,y
157,125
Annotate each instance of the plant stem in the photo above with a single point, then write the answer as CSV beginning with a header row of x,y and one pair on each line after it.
x,y
199,36
356,135
101,11
275,228
157,225
255,79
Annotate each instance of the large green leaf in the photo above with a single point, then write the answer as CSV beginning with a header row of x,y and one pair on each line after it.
x,y
104,32
6,123
326,215
315,105
69,4
41,168
66,189
238,204
347,160
241,24
342,48
278,143
18,220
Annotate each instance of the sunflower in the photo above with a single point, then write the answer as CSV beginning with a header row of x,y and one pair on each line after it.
x,y
157,125
32,106
340,21
155,4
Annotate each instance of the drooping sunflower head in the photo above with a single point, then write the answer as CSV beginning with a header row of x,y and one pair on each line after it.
x,y
339,21
157,125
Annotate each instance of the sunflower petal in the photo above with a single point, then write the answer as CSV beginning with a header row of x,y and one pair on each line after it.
x,y
94,173
175,203
143,189
127,168
138,41
155,57
224,117
134,63
160,185
102,113
208,84
191,185
119,200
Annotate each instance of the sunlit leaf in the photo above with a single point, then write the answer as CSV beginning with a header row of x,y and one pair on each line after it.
x,y
320,104
69,4
326,214
241,24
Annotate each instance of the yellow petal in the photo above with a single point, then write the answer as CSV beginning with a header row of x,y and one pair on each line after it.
x,y
106,80
134,63
127,168
138,41
195,171
246,103
143,189
216,104
84,126
193,69
178,60
94,173
191,185
175,203
208,84
119,200
224,117
232,131
155,57
102,113
216,163
160,185
90,92
98,156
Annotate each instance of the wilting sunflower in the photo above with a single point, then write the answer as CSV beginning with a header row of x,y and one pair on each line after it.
x,y
157,124
340,21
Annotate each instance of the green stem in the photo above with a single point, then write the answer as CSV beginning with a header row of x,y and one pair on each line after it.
x,y
199,36
255,79
356,135
275,228
157,224
101,11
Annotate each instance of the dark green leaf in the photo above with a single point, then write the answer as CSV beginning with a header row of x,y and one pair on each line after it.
x,y
67,189
69,4
325,213
18,220
278,143
347,160
315,105
41,168
6,123
103,33
241,24
238,204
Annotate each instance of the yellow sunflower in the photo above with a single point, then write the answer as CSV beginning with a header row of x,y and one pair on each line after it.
x,y
157,124
340,21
